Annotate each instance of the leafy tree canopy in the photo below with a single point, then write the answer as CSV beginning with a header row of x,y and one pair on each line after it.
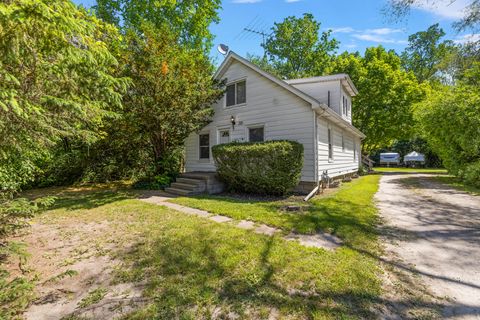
x,y
188,19
426,56
56,81
383,108
296,49
450,121
173,91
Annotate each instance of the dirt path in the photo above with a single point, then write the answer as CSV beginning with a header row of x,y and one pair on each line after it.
x,y
433,231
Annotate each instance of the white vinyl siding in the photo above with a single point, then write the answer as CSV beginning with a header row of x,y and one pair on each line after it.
x,y
283,115
342,157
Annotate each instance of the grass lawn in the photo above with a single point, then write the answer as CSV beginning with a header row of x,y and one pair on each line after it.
x,y
348,212
416,170
193,268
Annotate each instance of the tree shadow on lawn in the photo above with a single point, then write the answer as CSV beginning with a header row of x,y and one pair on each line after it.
x,y
201,274
352,221
78,200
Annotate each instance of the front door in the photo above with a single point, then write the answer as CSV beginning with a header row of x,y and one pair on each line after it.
x,y
224,136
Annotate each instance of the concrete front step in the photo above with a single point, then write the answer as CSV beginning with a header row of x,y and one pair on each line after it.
x,y
187,186
191,183
183,180
181,192
199,175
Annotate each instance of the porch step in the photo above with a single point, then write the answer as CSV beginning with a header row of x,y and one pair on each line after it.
x,y
191,183
181,192
183,180
187,186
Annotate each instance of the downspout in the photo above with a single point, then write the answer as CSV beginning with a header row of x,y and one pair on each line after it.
x,y
315,150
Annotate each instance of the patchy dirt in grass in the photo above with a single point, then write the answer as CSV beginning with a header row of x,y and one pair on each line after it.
x,y
431,236
73,270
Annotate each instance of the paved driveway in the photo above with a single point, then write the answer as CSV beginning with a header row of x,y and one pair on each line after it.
x,y
437,237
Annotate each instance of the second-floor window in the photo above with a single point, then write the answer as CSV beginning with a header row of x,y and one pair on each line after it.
x,y
236,93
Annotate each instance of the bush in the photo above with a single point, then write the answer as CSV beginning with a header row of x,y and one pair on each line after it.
x,y
471,174
272,167
159,182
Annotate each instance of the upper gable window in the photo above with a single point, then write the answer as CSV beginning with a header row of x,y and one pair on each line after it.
x,y
236,93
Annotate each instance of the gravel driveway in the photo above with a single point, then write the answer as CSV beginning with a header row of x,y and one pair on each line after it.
x,y
435,232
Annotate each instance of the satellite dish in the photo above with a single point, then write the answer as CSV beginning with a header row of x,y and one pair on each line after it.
x,y
222,48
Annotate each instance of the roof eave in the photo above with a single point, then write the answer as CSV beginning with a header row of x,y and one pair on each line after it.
x,y
325,111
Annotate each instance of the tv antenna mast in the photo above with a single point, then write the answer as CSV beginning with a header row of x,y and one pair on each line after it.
x,y
256,27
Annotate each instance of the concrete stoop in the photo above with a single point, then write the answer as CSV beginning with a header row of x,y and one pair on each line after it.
x,y
191,183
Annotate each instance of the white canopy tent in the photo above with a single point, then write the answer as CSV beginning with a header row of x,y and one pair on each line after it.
x,y
414,157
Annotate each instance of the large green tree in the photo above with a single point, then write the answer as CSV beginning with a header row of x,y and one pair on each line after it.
x,y
56,81
450,121
188,19
427,56
173,93
296,48
383,108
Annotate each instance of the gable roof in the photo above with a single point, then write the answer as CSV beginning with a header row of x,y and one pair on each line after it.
x,y
342,77
233,56
320,108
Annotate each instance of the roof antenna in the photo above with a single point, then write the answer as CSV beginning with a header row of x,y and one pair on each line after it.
x,y
223,49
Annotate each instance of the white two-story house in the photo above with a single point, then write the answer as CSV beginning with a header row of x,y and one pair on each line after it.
x,y
258,106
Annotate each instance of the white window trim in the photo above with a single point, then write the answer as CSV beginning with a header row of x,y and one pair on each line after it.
x,y
240,104
209,146
255,126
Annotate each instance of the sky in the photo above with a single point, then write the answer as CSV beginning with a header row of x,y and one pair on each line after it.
x,y
357,24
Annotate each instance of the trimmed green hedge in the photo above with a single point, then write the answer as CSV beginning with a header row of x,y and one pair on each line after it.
x,y
272,167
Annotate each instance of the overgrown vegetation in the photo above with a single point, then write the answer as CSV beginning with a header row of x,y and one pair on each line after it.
x,y
272,167
450,120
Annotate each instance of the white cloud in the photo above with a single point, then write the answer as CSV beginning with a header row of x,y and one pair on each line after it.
x,y
380,35
291,1
342,30
373,38
466,38
449,9
383,31
246,1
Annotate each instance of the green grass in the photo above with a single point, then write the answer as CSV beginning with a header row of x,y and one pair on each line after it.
x,y
457,184
349,212
194,268
406,170
93,297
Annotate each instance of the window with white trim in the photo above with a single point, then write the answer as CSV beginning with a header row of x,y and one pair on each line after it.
x,y
236,93
330,144
256,134
204,146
